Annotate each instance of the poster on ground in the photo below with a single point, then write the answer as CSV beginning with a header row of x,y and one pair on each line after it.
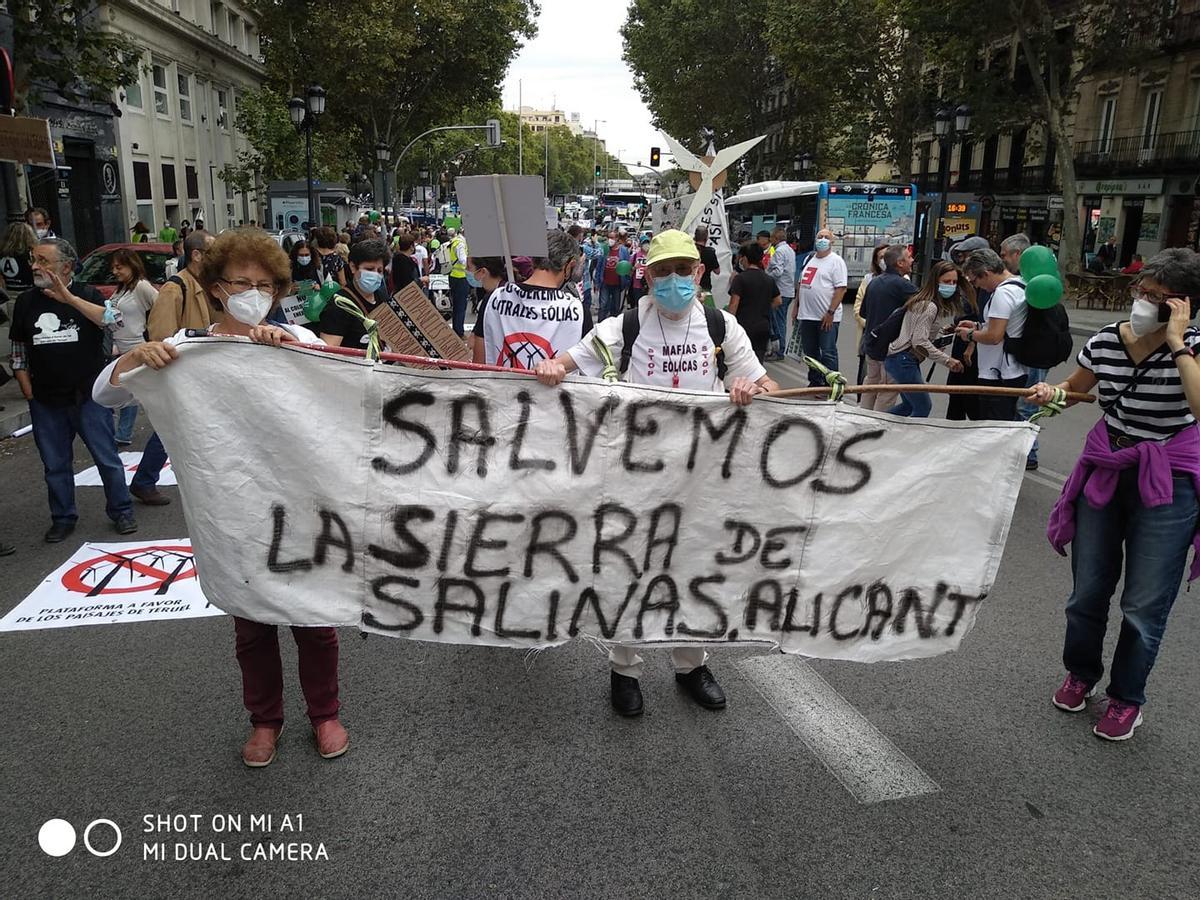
x,y
130,460
115,583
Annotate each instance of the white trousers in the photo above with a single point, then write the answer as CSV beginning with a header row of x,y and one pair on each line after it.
x,y
625,660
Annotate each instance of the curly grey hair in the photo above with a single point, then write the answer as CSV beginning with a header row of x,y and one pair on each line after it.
x,y
561,249
1176,269
65,249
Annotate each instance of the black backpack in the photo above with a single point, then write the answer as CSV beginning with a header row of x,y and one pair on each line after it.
x,y
883,334
1046,339
630,326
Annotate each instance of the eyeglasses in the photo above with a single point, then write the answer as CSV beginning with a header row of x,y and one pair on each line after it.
x,y
245,284
1136,292
682,267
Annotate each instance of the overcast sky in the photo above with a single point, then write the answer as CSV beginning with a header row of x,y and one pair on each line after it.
x,y
574,64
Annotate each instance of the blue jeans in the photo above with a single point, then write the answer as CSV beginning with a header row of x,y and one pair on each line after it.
x,y
904,368
779,323
610,301
154,457
54,431
460,295
821,346
126,417
1155,543
1026,409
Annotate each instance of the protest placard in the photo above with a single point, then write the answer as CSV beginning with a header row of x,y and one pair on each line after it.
x,y
493,510
130,461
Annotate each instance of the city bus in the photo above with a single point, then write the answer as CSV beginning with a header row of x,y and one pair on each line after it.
x,y
861,215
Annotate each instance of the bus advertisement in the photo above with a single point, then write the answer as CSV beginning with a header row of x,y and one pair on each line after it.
x,y
861,215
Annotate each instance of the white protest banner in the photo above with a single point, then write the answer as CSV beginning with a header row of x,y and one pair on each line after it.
x,y
130,460
452,507
106,584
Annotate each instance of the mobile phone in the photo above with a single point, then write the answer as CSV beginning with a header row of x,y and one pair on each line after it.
x,y
1164,312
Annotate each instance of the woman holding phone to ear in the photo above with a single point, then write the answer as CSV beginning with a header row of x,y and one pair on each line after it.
x,y
1133,493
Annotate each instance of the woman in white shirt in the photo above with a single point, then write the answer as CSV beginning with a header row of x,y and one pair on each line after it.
x,y
131,303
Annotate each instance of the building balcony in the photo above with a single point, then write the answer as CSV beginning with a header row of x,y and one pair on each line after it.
x,y
1173,151
1182,31
1039,179
1003,180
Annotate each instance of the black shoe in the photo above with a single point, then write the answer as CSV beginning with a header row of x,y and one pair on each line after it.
x,y
59,532
1031,465
151,496
626,695
125,525
702,687
7,549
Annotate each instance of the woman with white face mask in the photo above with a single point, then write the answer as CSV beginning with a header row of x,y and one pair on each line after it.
x,y
244,271
1133,493
368,265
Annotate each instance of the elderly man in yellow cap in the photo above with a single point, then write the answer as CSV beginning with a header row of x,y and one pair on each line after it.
x,y
670,340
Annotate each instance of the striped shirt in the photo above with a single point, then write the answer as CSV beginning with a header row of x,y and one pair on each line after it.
x,y
1145,400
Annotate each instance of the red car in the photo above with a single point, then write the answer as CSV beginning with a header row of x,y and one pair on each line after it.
x,y
97,265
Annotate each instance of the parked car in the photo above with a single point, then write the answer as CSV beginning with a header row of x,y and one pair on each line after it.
x,y
96,268
287,239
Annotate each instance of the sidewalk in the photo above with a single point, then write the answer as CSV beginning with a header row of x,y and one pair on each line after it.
x,y
1086,322
14,410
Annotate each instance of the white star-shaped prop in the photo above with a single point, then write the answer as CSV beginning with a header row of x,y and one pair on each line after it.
x,y
707,171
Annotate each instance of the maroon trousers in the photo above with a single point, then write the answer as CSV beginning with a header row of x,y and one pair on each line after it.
x,y
262,671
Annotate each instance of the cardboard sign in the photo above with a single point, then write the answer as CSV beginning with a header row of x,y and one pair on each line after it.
x,y
517,201
293,311
464,509
26,141
131,461
410,324
106,584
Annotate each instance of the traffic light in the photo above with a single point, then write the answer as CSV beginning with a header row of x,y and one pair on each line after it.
x,y
597,170
654,157
493,132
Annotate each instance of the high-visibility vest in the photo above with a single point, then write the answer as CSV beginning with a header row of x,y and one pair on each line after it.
x,y
458,268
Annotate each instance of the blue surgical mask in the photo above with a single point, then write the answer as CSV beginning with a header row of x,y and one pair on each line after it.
x,y
370,281
674,292
823,244
472,280
947,290
304,260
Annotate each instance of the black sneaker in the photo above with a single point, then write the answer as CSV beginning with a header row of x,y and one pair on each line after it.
x,y
59,532
1031,465
702,687
626,695
125,525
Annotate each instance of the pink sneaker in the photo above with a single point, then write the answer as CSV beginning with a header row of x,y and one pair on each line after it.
x,y
1072,696
1118,721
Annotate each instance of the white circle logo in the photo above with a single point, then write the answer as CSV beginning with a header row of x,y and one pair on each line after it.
x,y
87,834
56,837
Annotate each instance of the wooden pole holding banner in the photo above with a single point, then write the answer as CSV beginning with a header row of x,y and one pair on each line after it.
x,y
503,228
970,389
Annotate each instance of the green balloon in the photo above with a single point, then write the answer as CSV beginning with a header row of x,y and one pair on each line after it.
x,y
1038,260
624,267
1043,291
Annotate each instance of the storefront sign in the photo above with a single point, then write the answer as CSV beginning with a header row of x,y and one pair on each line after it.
x,y
1117,186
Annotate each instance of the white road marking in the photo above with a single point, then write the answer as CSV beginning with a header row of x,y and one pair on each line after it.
x,y
861,757
1047,478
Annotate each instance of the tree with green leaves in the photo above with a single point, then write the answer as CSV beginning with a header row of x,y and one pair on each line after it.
x,y
698,63
60,44
392,70
277,150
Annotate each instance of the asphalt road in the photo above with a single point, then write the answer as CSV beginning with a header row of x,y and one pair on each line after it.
x,y
477,772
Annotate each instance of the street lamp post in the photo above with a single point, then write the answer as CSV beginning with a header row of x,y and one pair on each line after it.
x,y
801,164
304,115
383,153
423,175
947,124
595,145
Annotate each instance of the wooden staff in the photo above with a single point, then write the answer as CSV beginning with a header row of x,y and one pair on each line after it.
x,y
410,360
978,390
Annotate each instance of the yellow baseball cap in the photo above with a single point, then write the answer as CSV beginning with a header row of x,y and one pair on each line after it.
x,y
671,244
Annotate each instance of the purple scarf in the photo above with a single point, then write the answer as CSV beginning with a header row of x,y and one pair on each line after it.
x,y
1095,476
